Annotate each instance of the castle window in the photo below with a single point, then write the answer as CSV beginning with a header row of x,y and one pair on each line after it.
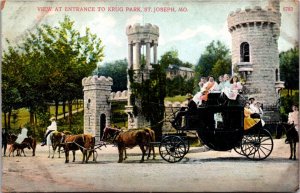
x,y
245,52
276,74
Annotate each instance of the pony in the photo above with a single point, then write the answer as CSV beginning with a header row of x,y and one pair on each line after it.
x,y
292,137
30,140
19,147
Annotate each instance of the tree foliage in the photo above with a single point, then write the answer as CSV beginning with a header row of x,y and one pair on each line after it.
x,y
117,70
289,68
178,85
214,61
49,64
171,58
151,99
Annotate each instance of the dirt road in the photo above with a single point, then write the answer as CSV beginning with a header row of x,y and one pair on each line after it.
x,y
200,171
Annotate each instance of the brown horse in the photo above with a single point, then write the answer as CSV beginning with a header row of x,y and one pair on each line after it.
x,y
127,139
151,145
83,142
57,141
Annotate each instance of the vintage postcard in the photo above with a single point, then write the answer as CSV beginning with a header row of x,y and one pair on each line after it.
x,y
96,63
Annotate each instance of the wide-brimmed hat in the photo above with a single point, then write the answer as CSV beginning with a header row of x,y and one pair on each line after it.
x,y
52,119
189,96
251,98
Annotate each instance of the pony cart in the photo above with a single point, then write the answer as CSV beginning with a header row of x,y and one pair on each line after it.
x,y
219,124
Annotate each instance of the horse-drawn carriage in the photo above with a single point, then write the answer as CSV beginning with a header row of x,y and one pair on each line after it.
x,y
219,124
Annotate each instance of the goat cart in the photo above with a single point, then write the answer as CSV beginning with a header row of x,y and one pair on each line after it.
x,y
219,124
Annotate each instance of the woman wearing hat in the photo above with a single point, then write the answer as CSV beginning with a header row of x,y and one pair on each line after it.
x,y
52,127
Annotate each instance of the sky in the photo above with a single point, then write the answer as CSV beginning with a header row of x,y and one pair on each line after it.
x,y
188,31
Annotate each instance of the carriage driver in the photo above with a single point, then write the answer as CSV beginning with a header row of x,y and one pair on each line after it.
x,y
52,127
192,106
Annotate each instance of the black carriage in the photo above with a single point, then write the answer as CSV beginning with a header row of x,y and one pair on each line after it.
x,y
219,124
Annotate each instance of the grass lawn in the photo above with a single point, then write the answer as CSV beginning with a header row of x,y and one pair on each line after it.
x,y
176,98
22,115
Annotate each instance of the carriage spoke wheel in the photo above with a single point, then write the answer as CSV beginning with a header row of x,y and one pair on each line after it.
x,y
172,149
257,146
242,149
239,150
187,145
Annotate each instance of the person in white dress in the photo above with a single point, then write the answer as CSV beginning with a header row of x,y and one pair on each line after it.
x,y
22,136
293,117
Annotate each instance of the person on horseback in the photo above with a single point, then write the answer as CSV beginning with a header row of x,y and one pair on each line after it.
x,y
51,128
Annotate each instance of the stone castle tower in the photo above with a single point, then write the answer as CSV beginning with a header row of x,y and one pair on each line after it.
x,y
97,108
255,53
141,40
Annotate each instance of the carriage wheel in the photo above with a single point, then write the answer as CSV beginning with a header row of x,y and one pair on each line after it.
x,y
244,142
239,150
172,149
257,146
187,145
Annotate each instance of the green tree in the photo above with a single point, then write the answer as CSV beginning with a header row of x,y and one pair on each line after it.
x,y
117,70
214,52
69,57
50,63
178,85
170,58
221,67
151,98
12,68
289,69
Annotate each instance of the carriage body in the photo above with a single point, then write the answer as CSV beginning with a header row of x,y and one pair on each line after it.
x,y
219,123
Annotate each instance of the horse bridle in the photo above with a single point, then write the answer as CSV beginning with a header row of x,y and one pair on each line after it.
x,y
108,135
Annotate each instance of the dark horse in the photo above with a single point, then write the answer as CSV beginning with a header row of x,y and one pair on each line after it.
x,y
292,137
30,140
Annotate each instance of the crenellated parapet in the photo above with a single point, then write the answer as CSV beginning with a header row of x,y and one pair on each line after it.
x,y
254,17
119,96
142,33
95,82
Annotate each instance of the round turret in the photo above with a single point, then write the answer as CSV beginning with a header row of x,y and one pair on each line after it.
x,y
255,56
139,33
142,41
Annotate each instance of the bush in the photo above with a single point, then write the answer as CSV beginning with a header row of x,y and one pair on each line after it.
x,y
286,103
